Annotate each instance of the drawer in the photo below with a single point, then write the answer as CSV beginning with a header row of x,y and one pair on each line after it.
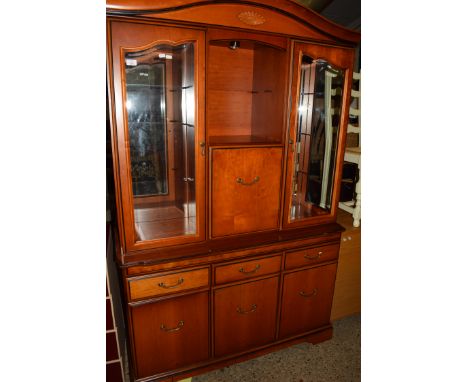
x,y
169,283
310,256
245,190
245,316
307,300
247,269
170,334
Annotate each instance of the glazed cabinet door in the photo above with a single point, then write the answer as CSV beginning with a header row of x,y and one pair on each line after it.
x,y
307,300
158,81
170,334
317,133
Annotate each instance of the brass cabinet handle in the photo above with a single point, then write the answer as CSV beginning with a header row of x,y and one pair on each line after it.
x,y
257,267
244,183
313,293
202,145
240,311
176,329
163,285
317,256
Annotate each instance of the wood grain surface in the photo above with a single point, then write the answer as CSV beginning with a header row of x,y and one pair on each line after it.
x,y
245,316
254,206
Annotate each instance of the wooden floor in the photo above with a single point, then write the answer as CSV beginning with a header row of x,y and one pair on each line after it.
x,y
347,296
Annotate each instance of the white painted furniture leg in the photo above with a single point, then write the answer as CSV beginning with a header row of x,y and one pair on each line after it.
x,y
357,206
353,154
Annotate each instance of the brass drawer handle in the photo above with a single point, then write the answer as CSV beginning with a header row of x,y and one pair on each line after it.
x,y
244,183
240,311
313,293
257,267
317,256
180,281
176,329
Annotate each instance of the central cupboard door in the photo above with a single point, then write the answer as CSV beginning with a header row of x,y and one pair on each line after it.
x,y
245,316
245,189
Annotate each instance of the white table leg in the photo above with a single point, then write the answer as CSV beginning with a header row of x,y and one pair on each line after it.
x,y
357,206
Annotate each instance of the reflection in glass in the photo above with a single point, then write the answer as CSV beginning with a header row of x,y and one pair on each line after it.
x,y
160,109
317,133
147,127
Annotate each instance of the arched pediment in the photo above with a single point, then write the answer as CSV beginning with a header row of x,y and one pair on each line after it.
x,y
276,16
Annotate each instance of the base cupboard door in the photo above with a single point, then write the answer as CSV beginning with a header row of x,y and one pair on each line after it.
x,y
245,316
307,300
170,334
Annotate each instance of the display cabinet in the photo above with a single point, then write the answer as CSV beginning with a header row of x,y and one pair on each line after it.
x,y
158,80
228,134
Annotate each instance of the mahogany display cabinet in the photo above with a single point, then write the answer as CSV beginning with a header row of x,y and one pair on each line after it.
x,y
228,123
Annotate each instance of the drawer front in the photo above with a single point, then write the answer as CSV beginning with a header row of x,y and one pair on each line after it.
x,y
307,300
245,316
170,283
310,256
247,269
170,334
245,190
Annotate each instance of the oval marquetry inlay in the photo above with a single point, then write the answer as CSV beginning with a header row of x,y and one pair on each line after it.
x,y
251,18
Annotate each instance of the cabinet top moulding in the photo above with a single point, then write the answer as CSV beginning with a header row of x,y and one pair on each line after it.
x,y
285,16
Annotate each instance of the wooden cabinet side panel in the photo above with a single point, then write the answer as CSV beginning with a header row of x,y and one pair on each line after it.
x,y
347,297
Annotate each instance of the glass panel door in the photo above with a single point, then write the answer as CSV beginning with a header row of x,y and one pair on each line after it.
x,y
160,106
316,133
159,85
